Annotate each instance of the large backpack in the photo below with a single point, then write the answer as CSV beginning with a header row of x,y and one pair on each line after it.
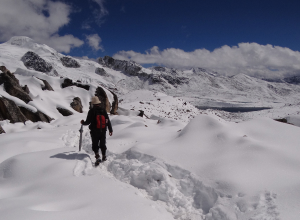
x,y
100,119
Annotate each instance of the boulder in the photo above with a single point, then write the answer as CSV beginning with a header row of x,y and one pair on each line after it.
x,y
35,116
12,86
1,130
114,105
33,61
100,71
69,62
68,82
101,94
64,112
9,110
77,105
46,85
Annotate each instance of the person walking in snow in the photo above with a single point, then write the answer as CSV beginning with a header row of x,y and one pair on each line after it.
x,y
98,121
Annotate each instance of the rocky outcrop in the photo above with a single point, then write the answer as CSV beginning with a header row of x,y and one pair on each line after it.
x,y
26,89
33,61
77,105
9,110
64,112
35,116
69,62
101,94
46,86
114,105
12,86
129,67
100,71
1,130
68,82
173,77
175,80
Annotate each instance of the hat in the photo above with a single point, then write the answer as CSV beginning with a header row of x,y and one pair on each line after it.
x,y
95,100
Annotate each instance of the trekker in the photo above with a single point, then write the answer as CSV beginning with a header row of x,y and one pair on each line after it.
x,y
98,121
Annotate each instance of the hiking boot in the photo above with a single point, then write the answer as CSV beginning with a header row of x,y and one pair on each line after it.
x,y
104,158
98,161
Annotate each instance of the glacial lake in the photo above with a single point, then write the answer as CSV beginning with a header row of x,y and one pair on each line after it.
x,y
234,109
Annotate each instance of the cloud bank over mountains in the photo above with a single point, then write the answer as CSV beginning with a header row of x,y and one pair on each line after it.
x,y
37,19
42,20
264,61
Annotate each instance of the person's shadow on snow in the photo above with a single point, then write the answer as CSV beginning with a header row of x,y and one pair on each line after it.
x,y
71,156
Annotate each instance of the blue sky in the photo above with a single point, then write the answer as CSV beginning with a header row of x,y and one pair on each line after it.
x,y
191,24
229,36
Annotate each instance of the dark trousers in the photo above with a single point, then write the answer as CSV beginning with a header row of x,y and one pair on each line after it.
x,y
99,140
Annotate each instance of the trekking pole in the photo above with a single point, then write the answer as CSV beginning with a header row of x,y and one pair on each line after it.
x,y
80,139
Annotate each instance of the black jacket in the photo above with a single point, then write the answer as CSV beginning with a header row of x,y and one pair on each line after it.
x,y
91,120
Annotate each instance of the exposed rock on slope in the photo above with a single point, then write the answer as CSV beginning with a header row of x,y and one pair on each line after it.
x,y
100,71
47,85
35,116
64,112
69,62
130,67
33,61
77,105
1,130
12,86
114,105
9,110
68,82
101,94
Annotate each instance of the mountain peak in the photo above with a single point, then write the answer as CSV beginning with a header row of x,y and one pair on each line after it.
x,y
21,41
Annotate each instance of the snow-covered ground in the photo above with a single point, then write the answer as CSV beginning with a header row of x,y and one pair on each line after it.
x,y
176,162
207,169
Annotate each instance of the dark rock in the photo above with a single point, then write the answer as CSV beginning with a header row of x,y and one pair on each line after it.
x,y
130,67
175,80
141,114
12,86
1,130
100,71
157,78
69,62
114,106
281,120
68,82
26,89
9,110
64,112
46,85
101,94
33,61
35,116
77,105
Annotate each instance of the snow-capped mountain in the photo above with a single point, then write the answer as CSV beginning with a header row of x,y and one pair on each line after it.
x,y
198,86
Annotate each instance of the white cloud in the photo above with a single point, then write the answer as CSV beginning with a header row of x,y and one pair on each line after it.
x,y
94,42
37,19
101,12
248,58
